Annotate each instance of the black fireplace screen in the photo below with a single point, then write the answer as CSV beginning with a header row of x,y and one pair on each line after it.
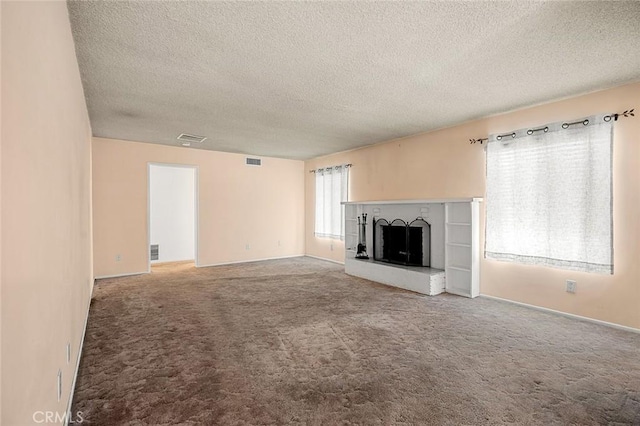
x,y
401,242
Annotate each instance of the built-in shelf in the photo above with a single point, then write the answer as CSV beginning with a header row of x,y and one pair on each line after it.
x,y
463,248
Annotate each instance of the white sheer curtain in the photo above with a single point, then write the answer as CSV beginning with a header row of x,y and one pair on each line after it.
x,y
332,184
549,197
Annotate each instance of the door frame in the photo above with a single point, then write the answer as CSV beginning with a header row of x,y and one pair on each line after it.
x,y
196,197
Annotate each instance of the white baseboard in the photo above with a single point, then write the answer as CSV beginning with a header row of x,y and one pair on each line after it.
x,y
169,262
69,416
128,274
249,261
565,314
457,293
324,258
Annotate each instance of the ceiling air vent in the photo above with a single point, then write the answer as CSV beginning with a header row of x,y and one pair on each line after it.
x,y
254,162
187,139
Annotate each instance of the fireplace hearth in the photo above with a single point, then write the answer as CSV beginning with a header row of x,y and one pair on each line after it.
x,y
402,243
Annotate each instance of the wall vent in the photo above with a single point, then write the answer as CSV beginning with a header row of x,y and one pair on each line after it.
x,y
155,252
187,138
254,162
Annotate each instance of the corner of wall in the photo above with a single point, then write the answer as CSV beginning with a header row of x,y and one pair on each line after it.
x,y
50,206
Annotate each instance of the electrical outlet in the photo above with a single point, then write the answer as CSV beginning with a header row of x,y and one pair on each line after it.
x,y
279,244
571,286
68,353
247,247
331,246
118,257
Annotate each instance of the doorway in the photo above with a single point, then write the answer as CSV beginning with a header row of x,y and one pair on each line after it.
x,y
172,213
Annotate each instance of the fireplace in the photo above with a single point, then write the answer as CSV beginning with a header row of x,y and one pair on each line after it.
x,y
402,243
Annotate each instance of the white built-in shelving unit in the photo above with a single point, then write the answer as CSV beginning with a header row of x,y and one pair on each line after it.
x,y
351,228
462,236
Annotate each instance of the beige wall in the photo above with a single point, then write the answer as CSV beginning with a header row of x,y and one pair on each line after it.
x,y
443,164
0,215
237,205
45,219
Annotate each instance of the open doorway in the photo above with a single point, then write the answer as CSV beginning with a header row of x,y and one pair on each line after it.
x,y
172,213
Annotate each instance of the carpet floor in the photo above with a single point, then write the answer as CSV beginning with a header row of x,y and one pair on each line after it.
x,y
297,341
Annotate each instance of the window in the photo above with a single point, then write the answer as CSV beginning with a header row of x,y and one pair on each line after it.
x,y
549,196
331,190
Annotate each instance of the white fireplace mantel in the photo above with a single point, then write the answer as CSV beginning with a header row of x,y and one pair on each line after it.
x,y
455,251
418,201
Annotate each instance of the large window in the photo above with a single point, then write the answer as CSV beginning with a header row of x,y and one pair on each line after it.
x,y
332,184
549,196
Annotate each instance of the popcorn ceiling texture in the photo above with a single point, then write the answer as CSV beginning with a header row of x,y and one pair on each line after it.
x,y
297,341
304,79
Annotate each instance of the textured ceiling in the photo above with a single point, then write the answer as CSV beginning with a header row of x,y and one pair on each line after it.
x,y
303,79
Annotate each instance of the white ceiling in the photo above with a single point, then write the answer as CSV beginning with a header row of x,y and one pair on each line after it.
x,y
303,79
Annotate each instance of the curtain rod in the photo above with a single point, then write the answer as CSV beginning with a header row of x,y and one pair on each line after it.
x,y
565,125
330,167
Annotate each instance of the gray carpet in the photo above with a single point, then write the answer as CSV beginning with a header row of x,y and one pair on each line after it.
x,y
297,341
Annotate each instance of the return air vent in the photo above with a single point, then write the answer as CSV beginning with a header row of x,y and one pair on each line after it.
x,y
188,139
155,252
254,162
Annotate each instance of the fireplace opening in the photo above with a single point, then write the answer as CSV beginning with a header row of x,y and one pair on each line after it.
x,y
402,243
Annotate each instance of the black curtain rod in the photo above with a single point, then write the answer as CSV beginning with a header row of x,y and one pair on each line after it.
x,y
565,125
331,167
